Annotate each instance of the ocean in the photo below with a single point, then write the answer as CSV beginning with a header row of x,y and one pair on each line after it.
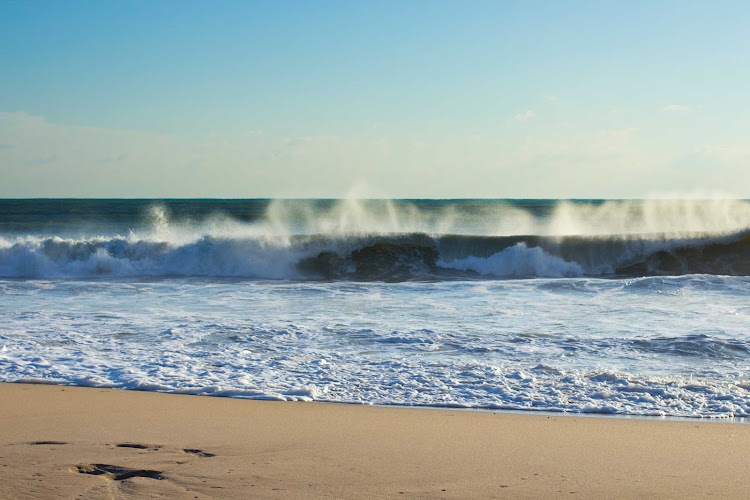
x,y
630,307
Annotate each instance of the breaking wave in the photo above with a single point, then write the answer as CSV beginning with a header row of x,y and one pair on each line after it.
x,y
397,241
386,258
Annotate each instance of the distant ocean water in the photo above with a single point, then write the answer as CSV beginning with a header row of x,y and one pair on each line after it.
x,y
626,307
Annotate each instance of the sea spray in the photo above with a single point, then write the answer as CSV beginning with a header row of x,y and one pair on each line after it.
x,y
630,307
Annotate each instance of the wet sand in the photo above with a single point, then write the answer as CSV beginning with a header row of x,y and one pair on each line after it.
x,y
68,442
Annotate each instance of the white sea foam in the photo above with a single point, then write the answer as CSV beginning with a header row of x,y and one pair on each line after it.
x,y
655,346
564,341
518,261
118,256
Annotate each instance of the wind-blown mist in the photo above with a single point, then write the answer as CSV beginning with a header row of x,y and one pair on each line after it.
x,y
385,240
633,307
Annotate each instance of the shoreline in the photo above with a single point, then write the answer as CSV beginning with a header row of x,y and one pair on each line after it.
x,y
64,441
551,413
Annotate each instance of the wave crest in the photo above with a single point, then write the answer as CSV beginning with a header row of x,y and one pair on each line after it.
x,y
375,257
518,261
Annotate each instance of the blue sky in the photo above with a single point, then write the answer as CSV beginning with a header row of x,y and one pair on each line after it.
x,y
394,99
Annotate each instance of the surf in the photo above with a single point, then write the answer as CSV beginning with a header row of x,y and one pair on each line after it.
x,y
382,240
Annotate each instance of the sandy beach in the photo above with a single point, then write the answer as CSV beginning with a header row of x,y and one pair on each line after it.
x,y
257,249
69,442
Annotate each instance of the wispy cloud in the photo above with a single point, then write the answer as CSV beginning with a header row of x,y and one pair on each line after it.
x,y
70,160
675,108
734,154
43,160
522,117
115,158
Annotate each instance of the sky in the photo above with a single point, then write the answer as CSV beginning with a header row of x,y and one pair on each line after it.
x,y
402,99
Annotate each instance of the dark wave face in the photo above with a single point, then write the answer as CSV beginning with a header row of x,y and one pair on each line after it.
x,y
423,257
667,335
373,240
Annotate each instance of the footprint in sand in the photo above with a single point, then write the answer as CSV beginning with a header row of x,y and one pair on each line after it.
x,y
117,472
121,473
139,446
197,452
